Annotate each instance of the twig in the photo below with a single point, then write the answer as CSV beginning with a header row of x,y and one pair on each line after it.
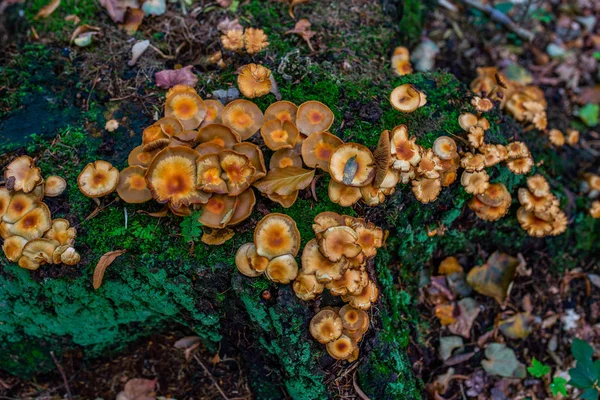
x,y
212,378
501,18
62,373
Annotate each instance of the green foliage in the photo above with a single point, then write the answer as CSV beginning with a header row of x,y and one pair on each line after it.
x,y
538,368
586,374
191,227
558,386
589,114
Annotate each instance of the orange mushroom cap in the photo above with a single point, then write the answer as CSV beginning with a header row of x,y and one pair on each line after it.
x,y
314,263
286,158
339,241
406,152
217,211
37,252
342,348
286,201
132,186
325,220
533,225
209,174
405,98
426,190
187,107
238,171
313,116
521,165
170,126
54,186
495,195
218,134
353,318
248,262
214,108
538,185
255,40
140,157
352,164
243,116
317,149
62,232
254,80
370,238
13,247
98,179
352,282
22,174
254,153
307,287
365,298
243,207
343,195
326,326
282,269
33,224
475,182
19,204
281,110
279,135
276,234
5,198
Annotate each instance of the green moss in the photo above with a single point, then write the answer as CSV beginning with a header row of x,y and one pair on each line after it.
x,y
86,10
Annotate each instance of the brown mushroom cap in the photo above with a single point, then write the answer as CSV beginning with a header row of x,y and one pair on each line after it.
x,y
430,165
54,186
282,269
314,263
217,211
343,195
238,171
279,135
187,107
405,150
243,116
171,126
218,134
517,149
248,262
243,207
171,177
209,174
13,247
132,187
444,147
352,318
489,213
405,98
254,80
352,164
5,198
152,134
313,116
307,287
98,179
472,162
68,255
353,281
467,121
521,165
19,204
22,174
275,235
533,225
556,137
370,238
33,224
326,326
339,241
140,157
286,201
475,182
214,108
535,203
281,110
426,190
491,154
365,298
538,185
326,220
383,158
317,149
342,348
495,195
285,158
254,153
62,232
37,252
371,195
5,229
208,148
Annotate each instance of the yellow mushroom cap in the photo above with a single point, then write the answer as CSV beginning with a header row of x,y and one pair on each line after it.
x,y
282,269
286,201
444,147
22,174
214,108
285,158
495,195
405,98
13,247
405,150
314,263
187,107
218,134
472,162
62,232
491,154
275,235
342,348
152,134
426,190
254,80
326,326
325,220
307,287
140,157
343,195
209,174
238,171
54,186
248,262
255,154
33,224
132,187
233,40
370,238
317,149
243,116
5,198
556,137
171,177
538,185
352,164
339,241
533,225
521,165
255,40
243,206
559,225
475,182
352,318
279,135
572,137
217,211
19,204
371,195
98,179
313,116
38,252
281,110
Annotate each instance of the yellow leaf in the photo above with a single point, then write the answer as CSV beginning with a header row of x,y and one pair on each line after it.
x,y
517,327
449,265
493,278
445,313
285,181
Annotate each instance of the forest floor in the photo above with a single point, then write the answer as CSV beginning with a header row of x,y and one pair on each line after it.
x,y
97,86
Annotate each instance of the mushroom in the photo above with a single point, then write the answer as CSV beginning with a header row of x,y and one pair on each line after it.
x,y
426,190
493,203
556,137
62,232
521,165
371,195
353,318
405,98
406,152
275,235
13,247
353,281
325,220
33,224
132,187
5,199
171,177
282,269
307,287
429,166
281,110
352,164
243,116
54,186
517,149
209,174
248,262
326,326
37,252
285,158
444,147
216,237
390,180
383,158
476,136
217,211
255,155
243,207
218,134
482,104
187,107
370,237
238,171
152,134
286,201
401,61
254,80
313,116
343,195
339,241
572,137
538,185
279,135
22,174
98,179
317,149
532,224
214,108
491,154
255,40
19,204
342,348
233,40
472,162
66,254
314,263
171,126
138,156
365,298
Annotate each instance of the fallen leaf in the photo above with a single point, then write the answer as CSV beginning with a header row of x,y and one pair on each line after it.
x,y
103,263
518,326
116,9
502,361
186,342
448,344
215,237
459,358
468,310
139,389
48,9
73,18
284,181
80,30
458,284
445,313
229,25
170,77
437,291
494,277
137,50
302,28
294,3
158,214
590,94
133,20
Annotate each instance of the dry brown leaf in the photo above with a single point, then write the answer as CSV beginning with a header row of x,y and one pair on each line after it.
x,y
229,25
302,29
285,181
103,263
294,3
158,214
215,237
139,389
168,78
83,29
493,278
48,9
468,310
73,18
518,326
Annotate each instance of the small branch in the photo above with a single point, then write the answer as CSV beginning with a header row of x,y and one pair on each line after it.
x,y
212,378
62,373
501,18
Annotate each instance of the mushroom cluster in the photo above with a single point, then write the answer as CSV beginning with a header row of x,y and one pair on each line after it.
x,y
540,214
236,40
276,244
340,330
590,185
337,258
30,236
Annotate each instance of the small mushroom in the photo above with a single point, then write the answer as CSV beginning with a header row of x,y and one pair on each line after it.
x,y
255,40
243,207
383,158
5,199
187,107
217,211
209,174
430,165
517,149
353,281
279,135
307,287
520,166
62,232
406,152
218,134
365,298
171,126
491,154
371,195
281,110
352,164
66,254
317,149
248,262
254,80
426,190
13,247
238,171
313,116
33,224
325,220
214,108
341,348
444,147
467,121
275,235
54,186
255,155
285,158
475,182
405,98
343,195
152,134
22,174
243,116
132,187
370,238
98,179
556,137
532,224
282,269
538,185
138,156
314,263
339,241
326,326
37,252
19,204
353,318
472,162
495,195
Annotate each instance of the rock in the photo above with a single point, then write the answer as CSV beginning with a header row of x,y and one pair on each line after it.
x,y
225,96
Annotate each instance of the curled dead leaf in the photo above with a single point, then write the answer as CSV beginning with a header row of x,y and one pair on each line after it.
x,y
285,181
494,277
170,77
85,28
48,9
105,261
302,29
